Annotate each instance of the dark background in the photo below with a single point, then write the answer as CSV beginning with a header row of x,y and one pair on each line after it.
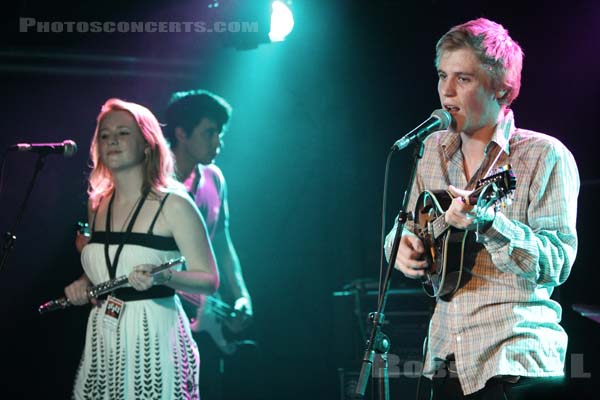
x,y
313,120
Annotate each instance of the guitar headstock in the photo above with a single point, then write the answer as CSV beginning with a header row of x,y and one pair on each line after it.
x,y
497,189
83,228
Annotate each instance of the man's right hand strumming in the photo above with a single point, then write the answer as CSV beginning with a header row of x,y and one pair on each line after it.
x,y
409,260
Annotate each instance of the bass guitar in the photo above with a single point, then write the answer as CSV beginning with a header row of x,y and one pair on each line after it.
x,y
216,318
445,245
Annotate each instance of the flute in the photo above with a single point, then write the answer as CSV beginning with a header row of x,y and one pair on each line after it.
x,y
104,287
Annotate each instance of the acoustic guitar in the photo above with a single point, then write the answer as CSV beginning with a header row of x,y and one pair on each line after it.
x,y
444,245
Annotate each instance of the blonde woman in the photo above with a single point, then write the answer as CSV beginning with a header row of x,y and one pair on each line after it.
x,y
138,341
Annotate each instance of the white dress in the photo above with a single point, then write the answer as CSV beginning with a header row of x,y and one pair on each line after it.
x,y
151,353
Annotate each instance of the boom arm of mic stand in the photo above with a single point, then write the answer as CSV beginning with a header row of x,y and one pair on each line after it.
x,y
374,344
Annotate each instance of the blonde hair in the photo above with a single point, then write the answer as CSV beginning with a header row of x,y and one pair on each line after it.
x,y
159,163
495,49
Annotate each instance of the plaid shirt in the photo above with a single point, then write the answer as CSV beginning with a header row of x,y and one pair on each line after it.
x,y
502,320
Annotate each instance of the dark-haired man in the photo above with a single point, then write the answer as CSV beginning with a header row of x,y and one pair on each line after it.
x,y
196,121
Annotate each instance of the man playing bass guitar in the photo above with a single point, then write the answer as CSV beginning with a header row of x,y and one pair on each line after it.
x,y
196,123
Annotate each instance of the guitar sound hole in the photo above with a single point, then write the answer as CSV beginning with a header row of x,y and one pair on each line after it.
x,y
426,209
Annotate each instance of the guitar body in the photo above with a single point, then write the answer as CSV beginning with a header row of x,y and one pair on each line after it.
x,y
209,314
445,247
444,253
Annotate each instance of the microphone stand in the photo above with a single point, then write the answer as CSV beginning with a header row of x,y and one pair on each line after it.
x,y
378,343
9,237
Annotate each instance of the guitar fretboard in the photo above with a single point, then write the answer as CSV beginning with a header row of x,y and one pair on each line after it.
x,y
439,226
505,181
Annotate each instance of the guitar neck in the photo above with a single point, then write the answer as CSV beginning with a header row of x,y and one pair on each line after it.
x,y
109,286
439,226
192,298
201,300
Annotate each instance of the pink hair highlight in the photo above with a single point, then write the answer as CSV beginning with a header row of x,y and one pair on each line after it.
x,y
495,49
159,164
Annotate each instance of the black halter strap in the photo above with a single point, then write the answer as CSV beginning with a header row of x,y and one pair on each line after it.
x,y
162,203
94,221
112,266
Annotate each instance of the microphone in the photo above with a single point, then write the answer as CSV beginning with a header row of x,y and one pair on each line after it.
x,y
439,119
68,148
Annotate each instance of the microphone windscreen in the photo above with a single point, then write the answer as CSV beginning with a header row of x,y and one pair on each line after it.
x,y
444,117
70,148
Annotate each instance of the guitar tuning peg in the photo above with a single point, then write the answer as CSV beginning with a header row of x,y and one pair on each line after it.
x,y
498,206
510,197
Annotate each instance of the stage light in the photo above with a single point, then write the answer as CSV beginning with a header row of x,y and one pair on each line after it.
x,y
246,24
282,21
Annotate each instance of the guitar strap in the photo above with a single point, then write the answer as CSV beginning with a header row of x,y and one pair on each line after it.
x,y
491,165
489,172
196,181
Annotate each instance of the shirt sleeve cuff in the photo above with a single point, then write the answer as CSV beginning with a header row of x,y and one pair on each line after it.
x,y
389,239
497,235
